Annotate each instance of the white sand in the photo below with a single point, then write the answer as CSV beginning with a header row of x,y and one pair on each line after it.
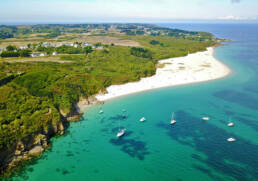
x,y
197,67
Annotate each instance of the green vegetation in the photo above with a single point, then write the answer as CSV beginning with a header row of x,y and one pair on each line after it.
x,y
7,31
19,53
154,42
66,49
36,95
11,48
9,54
53,34
141,52
15,53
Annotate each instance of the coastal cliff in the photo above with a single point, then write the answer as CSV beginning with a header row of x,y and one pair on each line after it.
x,y
33,146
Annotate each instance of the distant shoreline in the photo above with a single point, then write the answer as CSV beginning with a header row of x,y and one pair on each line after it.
x,y
193,68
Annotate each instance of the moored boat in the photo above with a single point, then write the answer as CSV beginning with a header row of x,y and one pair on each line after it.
x,y
231,139
120,133
142,119
230,124
205,118
173,121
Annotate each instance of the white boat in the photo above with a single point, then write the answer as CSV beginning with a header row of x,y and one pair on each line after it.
x,y
231,139
142,119
173,121
205,118
230,124
124,110
120,133
101,111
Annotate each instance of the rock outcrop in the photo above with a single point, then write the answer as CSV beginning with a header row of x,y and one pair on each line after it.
x,y
34,146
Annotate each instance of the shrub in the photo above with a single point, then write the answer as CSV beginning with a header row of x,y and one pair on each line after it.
x,y
9,54
141,52
154,42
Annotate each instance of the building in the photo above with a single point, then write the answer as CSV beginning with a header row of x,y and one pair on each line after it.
x,y
69,44
23,47
54,53
86,44
34,55
100,48
42,54
58,44
47,45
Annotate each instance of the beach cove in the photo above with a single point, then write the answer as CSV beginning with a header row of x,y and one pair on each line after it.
x,y
193,68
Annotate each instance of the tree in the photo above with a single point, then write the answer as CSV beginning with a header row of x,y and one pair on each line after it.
x,y
25,53
88,49
98,44
154,42
141,52
9,54
11,48
29,45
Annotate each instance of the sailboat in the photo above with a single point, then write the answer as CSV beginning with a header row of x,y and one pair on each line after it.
x,y
205,118
231,139
230,124
142,119
120,132
173,121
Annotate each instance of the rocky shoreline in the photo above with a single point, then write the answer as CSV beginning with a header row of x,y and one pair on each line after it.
x,y
32,147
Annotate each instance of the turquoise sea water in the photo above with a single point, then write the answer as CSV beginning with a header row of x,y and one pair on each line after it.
x,y
190,150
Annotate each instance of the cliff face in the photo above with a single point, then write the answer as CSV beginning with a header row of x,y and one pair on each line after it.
x,y
33,146
28,148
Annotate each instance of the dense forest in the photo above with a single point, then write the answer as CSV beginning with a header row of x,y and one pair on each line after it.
x,y
36,96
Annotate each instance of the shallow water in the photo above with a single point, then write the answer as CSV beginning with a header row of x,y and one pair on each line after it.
x,y
192,149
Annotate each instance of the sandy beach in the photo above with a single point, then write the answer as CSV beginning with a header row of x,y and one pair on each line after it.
x,y
193,68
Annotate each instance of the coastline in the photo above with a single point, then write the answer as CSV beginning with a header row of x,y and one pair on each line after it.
x,y
193,68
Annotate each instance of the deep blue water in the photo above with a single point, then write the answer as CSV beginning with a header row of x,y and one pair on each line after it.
x,y
192,149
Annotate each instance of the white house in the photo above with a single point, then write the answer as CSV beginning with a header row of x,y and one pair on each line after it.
x,y
23,47
76,45
86,44
100,48
58,45
68,44
34,55
47,45
54,53
42,54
